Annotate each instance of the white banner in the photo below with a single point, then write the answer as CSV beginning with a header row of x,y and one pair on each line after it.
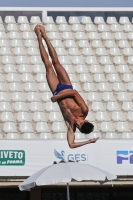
x,y
24,157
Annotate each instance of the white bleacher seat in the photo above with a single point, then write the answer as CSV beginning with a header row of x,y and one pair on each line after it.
x,y
73,78
128,51
39,116
123,44
42,127
25,27
127,78
14,35
2,27
7,117
49,107
62,52
35,20
73,51
61,135
103,87
115,28
32,96
99,78
69,69
101,51
109,69
130,87
30,87
97,43
130,116
48,20
46,96
22,20
83,44
73,20
107,36
30,43
94,69
9,127
124,20
117,116
58,127
70,43
76,86
118,60
87,51
91,60
1,78
54,35
80,36
93,36
1,21
45,136
81,69
93,96
85,78
127,106
127,135
43,87
39,69
130,36
103,28
108,96
77,60
119,36
122,69
106,127
15,87
94,134
64,27
99,20
90,117
23,117
55,117
10,68
4,96
102,116
58,43
21,60
50,27
128,28
28,136
28,35
3,35
79,136
130,60
90,28
112,106
3,87
77,27
20,106
12,27
19,51
40,77
35,60
105,60
114,51
36,106
97,106
16,43
111,135
86,20
122,127
32,51
113,78
61,20
7,60
12,136
123,96
27,77
17,96
26,127
110,43
118,86
87,87
5,51
24,68
5,106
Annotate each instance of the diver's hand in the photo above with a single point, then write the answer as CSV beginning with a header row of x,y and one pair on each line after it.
x,y
93,140
54,98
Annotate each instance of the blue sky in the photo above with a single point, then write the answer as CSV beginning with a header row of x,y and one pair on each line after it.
x,y
66,3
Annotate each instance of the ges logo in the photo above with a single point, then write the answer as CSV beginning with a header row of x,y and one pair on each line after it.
x,y
73,157
124,156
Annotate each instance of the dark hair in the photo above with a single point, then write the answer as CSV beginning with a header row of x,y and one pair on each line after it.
x,y
87,127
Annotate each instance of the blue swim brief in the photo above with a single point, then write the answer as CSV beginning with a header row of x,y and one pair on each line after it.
x,y
61,87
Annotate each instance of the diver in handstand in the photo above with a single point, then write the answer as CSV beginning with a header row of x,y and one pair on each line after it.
x,y
72,105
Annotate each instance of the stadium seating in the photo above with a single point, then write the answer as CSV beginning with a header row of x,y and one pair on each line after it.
x,y
98,57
